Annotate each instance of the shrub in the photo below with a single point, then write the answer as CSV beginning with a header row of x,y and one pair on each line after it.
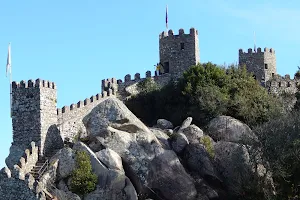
x,y
83,180
281,141
205,140
146,86
204,92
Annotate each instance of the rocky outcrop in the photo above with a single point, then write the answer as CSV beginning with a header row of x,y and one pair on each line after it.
x,y
179,142
140,150
226,128
66,159
199,161
193,133
164,124
134,162
110,159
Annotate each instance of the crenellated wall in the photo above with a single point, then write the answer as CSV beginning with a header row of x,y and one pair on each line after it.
x,y
18,182
279,84
69,118
27,162
128,87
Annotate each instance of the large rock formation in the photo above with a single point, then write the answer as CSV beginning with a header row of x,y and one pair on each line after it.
x,y
132,161
143,155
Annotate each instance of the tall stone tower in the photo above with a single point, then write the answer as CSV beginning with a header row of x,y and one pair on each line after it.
x,y
34,114
178,52
261,63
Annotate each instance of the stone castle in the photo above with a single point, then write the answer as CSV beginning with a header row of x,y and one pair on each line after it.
x,y
35,116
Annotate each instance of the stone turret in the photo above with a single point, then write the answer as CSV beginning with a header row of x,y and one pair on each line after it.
x,y
178,52
33,113
261,63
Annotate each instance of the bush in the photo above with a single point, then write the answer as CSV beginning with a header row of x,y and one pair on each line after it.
x,y
146,86
204,92
83,180
281,141
205,140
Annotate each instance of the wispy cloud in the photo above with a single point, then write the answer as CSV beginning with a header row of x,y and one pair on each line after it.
x,y
281,21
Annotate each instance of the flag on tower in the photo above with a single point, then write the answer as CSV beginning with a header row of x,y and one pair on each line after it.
x,y
8,63
167,16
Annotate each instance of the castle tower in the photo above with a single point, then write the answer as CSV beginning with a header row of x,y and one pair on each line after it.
x,y
261,63
34,114
110,83
178,52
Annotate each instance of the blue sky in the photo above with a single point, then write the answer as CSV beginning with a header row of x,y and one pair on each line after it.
x,y
78,43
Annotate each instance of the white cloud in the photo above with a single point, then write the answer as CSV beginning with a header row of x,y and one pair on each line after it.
x,y
281,22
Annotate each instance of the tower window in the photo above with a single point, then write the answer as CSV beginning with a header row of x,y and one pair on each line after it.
x,y
181,45
279,84
289,84
272,75
166,67
266,66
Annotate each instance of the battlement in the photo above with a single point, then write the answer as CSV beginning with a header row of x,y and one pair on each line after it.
x,y
38,83
27,162
92,100
250,51
170,33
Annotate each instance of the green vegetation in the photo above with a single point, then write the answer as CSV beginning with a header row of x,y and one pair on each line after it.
x,y
83,180
205,140
204,92
146,86
280,138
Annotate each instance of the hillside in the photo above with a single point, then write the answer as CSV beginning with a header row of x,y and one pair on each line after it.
x,y
215,133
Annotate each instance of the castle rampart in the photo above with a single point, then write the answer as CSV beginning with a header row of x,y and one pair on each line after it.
x,y
69,118
279,84
129,86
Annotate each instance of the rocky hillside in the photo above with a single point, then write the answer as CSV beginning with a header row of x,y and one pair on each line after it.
x,y
132,161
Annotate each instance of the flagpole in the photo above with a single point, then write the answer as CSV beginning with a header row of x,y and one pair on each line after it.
x,y
10,87
167,28
8,70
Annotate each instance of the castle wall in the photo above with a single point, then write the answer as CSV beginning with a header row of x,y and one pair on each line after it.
x,y
261,63
129,86
69,118
279,84
33,112
180,51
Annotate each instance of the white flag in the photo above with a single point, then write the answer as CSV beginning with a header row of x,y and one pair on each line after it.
x,y
8,63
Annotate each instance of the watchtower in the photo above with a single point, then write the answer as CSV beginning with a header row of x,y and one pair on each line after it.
x,y
178,52
261,63
33,113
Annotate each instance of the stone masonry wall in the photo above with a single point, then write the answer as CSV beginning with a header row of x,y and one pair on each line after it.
x,y
261,64
279,84
129,86
69,118
18,183
33,112
180,51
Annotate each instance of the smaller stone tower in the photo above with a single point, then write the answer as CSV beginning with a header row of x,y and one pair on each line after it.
x,y
261,63
109,83
178,52
33,113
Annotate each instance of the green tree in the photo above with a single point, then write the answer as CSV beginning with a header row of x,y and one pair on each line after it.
x,y
83,180
281,144
204,92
